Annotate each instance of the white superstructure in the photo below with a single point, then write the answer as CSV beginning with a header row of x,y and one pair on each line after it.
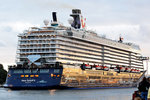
x,y
74,46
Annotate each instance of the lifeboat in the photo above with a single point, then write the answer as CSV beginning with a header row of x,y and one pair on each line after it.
x,y
133,70
105,68
127,69
138,71
98,67
122,69
88,66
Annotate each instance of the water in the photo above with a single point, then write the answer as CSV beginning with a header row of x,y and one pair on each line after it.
x,y
95,94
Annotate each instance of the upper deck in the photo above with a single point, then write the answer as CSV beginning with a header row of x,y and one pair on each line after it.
x,y
75,45
80,34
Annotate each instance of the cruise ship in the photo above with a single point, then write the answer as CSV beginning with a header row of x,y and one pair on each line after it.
x,y
59,56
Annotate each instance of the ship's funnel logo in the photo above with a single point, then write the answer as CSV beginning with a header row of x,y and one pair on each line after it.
x,y
83,22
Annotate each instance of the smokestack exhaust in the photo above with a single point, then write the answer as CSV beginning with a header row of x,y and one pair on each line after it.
x,y
54,16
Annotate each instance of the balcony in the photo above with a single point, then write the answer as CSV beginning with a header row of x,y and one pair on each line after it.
x,y
36,52
48,47
36,34
30,43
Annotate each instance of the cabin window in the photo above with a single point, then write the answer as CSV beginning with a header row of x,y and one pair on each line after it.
x,y
34,70
94,77
109,73
56,70
27,71
44,70
18,71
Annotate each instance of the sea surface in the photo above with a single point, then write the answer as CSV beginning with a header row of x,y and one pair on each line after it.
x,y
88,94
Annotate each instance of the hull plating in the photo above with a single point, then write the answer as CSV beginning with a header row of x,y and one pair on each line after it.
x,y
48,79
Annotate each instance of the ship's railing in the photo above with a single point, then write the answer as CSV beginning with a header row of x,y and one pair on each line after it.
x,y
104,40
95,34
37,52
27,43
36,34
72,29
50,38
43,31
42,56
69,41
49,47
31,67
25,64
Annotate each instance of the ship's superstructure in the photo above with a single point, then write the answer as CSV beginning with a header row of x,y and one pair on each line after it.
x,y
56,55
74,46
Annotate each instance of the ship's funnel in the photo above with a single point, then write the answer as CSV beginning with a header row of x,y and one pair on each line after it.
x,y
54,16
54,22
76,11
78,21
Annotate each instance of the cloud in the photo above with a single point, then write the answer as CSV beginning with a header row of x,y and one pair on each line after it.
x,y
51,4
2,43
130,18
15,26
145,33
7,55
8,40
9,32
114,31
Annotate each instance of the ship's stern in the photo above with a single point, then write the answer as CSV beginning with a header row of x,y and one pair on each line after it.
x,y
33,78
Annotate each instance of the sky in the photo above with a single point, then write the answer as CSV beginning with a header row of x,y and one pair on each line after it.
x,y
112,18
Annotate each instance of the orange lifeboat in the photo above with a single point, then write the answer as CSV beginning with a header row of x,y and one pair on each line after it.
x,y
122,69
88,66
138,71
127,69
98,67
133,70
105,68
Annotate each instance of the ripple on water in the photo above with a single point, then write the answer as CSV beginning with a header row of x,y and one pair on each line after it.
x,y
95,94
